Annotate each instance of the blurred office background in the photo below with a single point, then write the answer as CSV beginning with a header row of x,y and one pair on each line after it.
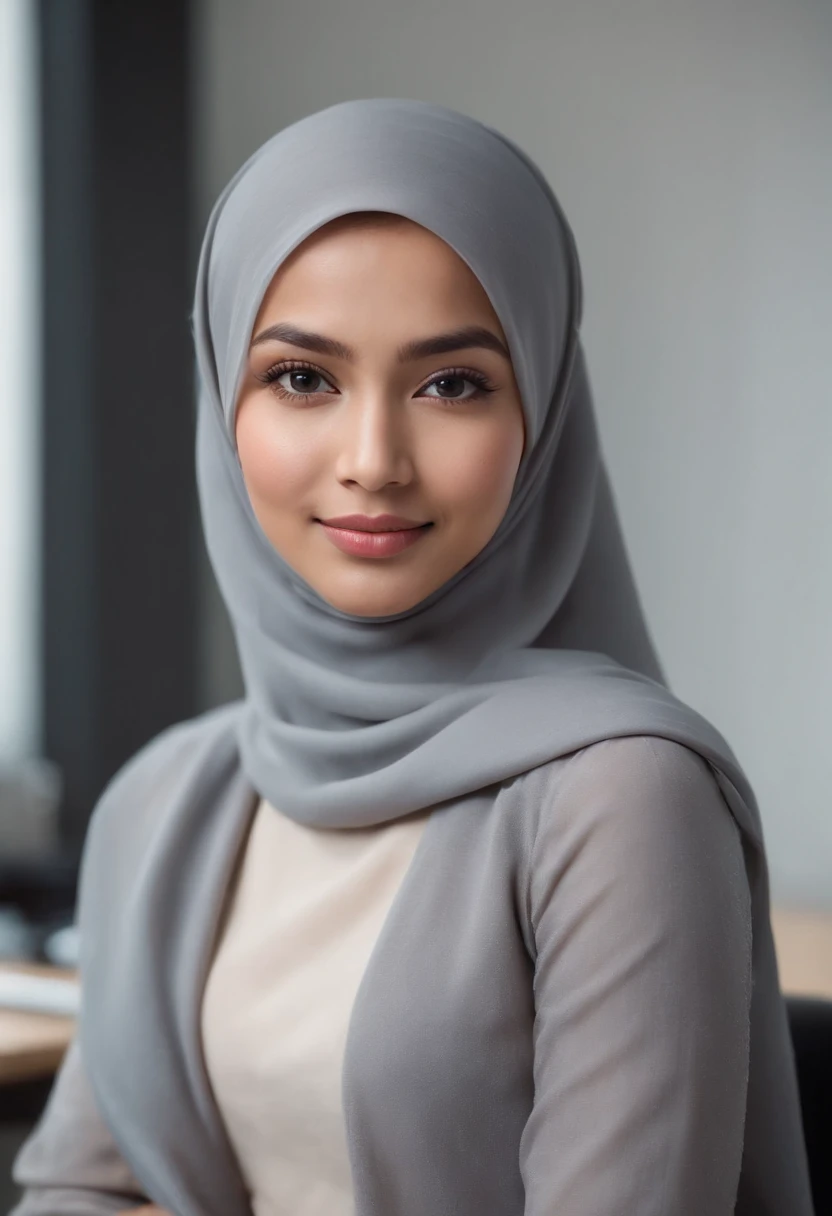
x,y
689,143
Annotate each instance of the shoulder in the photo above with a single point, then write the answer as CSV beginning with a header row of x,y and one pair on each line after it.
x,y
645,766
635,771
639,809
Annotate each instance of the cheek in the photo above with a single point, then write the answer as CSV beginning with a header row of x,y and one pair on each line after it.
x,y
276,464
476,476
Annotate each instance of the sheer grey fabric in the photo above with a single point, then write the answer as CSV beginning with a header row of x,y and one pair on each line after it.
x,y
71,1165
559,1015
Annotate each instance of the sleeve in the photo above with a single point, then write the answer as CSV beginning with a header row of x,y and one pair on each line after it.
x,y
641,913
70,1165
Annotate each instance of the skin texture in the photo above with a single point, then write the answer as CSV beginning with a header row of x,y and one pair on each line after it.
x,y
419,438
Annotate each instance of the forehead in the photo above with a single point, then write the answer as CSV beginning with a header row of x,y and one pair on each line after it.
x,y
387,264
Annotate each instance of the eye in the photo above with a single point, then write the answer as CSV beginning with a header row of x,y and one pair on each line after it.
x,y
457,384
296,380
304,383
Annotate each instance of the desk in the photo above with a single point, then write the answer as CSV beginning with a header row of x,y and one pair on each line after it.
x,y
803,941
32,1044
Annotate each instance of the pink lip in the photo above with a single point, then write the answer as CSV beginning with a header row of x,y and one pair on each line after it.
x,y
373,523
373,544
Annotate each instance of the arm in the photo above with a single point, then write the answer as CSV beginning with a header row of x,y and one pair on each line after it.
x,y
641,914
70,1165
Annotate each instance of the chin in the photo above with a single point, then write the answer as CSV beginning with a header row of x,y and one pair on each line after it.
x,y
373,602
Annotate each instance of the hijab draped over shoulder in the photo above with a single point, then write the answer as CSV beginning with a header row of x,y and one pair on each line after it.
x,y
535,648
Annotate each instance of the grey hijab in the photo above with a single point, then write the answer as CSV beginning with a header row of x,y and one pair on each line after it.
x,y
536,647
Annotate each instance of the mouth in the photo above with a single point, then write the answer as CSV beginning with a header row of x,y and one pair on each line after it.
x,y
362,543
373,523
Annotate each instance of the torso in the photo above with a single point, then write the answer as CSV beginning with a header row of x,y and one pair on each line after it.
x,y
301,921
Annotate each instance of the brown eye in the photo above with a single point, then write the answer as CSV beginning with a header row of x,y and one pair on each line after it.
x,y
450,386
296,381
303,382
453,385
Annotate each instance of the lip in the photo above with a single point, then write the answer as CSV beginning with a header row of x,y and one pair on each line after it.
x,y
373,523
362,543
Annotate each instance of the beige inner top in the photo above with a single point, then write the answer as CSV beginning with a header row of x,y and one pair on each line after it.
x,y
301,922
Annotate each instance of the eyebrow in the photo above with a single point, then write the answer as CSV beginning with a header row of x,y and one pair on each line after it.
x,y
467,338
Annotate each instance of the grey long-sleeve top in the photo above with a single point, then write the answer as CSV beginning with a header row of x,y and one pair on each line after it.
x,y
556,1021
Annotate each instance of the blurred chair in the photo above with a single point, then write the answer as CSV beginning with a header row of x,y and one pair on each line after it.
x,y
810,1023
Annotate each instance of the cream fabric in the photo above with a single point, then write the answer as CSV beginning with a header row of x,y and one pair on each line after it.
x,y
306,910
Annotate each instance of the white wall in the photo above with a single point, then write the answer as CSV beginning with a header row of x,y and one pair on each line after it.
x,y
690,145
18,385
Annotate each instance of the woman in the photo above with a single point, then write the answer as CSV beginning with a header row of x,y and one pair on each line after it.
x,y
460,910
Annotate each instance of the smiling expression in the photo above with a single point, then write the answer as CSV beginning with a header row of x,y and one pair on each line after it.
x,y
378,383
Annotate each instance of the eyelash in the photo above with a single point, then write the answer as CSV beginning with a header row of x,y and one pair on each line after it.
x,y
271,377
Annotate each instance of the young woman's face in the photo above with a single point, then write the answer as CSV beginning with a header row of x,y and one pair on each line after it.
x,y
378,383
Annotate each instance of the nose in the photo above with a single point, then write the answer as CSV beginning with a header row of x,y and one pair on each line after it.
x,y
374,445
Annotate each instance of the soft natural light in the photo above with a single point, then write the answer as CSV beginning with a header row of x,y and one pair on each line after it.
x,y
19,566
